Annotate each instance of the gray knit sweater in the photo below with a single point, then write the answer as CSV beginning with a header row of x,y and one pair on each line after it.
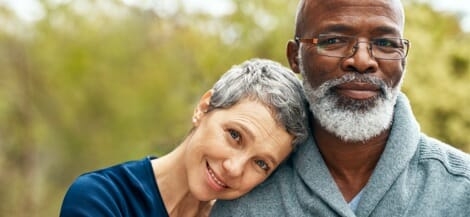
x,y
415,176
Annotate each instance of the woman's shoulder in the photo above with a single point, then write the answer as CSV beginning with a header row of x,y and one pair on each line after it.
x,y
115,177
106,192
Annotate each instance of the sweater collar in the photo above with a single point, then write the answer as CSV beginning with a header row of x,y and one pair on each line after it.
x,y
400,148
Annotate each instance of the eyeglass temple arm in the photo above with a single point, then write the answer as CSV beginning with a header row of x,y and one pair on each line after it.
x,y
307,40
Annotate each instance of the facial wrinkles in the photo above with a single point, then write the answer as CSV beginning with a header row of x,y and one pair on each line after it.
x,y
267,133
270,138
258,126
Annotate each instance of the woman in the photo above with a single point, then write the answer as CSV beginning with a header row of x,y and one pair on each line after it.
x,y
243,128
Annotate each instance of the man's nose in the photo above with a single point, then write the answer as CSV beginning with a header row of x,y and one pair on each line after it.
x,y
366,46
361,59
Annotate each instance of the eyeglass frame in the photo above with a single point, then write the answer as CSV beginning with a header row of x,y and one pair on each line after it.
x,y
354,47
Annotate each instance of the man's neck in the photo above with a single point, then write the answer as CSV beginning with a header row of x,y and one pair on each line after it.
x,y
350,163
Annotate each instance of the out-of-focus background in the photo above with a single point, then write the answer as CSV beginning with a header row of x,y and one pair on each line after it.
x,y
91,83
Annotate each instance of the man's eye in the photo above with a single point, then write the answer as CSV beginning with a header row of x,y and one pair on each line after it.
x,y
235,135
383,42
263,165
332,40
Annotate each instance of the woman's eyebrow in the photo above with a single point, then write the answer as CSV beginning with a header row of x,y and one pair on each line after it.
x,y
272,159
246,130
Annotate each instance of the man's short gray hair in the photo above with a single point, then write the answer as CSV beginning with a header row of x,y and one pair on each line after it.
x,y
272,84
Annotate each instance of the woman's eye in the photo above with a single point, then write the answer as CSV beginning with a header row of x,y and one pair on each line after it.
x,y
235,135
263,165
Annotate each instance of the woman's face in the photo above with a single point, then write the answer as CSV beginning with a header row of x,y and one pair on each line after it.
x,y
232,150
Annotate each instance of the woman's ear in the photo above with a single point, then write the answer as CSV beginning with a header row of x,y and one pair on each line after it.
x,y
202,107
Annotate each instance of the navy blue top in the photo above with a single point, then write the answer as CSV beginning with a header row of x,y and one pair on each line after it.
x,y
127,189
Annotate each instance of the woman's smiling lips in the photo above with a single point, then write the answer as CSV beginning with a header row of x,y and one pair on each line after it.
x,y
358,90
214,181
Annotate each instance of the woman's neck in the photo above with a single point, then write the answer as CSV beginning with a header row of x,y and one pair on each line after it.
x,y
171,177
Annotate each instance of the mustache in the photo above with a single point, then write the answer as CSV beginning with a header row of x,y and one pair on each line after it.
x,y
328,86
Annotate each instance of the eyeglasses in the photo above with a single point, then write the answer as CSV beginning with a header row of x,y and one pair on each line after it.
x,y
346,46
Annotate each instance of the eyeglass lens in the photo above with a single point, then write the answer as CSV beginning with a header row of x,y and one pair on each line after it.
x,y
345,46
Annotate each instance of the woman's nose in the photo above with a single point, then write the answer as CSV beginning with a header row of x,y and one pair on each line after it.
x,y
234,165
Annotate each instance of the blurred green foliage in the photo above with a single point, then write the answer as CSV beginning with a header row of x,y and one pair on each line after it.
x,y
86,87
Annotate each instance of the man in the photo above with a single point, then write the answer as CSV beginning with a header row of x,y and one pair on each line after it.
x,y
366,155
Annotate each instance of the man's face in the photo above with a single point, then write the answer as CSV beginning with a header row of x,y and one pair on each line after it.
x,y
349,94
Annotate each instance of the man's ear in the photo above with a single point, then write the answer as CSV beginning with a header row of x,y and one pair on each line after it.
x,y
202,107
292,52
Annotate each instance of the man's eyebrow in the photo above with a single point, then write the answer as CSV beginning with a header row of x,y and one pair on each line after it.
x,y
385,30
340,28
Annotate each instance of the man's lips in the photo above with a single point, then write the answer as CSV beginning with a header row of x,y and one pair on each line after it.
x,y
215,182
358,90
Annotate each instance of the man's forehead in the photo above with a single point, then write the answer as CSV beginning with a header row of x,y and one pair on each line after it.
x,y
331,5
319,10
349,2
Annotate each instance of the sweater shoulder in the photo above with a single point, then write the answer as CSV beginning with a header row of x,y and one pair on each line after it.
x,y
455,161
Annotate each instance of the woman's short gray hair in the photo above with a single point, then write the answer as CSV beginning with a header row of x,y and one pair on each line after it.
x,y
270,83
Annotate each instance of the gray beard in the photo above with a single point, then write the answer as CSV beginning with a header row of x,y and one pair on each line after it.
x,y
349,119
